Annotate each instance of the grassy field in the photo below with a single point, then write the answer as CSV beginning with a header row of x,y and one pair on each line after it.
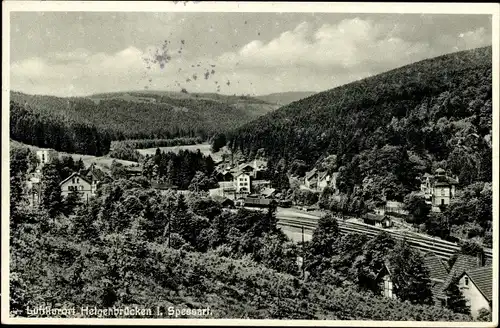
x,y
104,162
204,148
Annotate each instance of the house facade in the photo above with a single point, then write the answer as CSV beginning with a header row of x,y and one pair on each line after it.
x,y
384,281
77,182
476,287
311,179
381,221
318,180
34,187
45,156
323,181
438,189
242,181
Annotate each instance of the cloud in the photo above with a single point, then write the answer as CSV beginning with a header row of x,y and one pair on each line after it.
x,y
350,44
475,38
305,57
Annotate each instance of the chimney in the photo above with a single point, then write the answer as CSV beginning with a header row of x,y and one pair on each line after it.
x,y
479,259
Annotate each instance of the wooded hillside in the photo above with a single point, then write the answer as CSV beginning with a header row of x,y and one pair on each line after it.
x,y
142,115
392,127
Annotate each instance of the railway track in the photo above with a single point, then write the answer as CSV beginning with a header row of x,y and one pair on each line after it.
x,y
443,249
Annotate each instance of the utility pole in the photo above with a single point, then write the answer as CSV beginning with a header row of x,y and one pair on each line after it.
x,y
303,256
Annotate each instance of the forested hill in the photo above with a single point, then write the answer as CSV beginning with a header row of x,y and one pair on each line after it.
x,y
392,126
285,98
148,115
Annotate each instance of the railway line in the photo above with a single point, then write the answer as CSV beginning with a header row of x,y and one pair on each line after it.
x,y
442,248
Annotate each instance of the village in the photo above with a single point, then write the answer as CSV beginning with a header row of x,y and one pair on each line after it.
x,y
243,185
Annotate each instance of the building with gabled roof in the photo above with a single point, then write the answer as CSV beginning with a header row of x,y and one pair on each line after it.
x,y
76,182
437,273
438,189
377,220
476,287
384,280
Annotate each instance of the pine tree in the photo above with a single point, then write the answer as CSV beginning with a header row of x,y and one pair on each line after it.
x,y
72,200
51,191
409,275
323,245
456,301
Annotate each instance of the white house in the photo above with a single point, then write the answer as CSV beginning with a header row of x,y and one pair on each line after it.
x,y
311,179
76,182
242,181
384,281
323,181
45,156
476,287
438,189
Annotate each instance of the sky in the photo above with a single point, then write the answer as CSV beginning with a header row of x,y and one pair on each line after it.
x,y
82,53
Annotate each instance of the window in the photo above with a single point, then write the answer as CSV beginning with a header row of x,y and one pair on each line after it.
x,y
73,180
77,180
442,201
466,281
81,187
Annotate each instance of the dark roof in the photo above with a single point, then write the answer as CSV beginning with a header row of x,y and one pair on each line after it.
x,y
374,217
73,175
95,174
462,264
436,267
133,169
162,186
322,175
386,268
222,199
437,290
483,279
311,173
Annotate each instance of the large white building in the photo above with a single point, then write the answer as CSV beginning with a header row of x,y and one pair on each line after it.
x,y
242,181
438,189
45,156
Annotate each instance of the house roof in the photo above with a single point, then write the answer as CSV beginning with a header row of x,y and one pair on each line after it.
x,y
268,191
437,290
323,175
245,166
133,169
95,173
311,173
436,267
462,264
75,174
259,163
221,199
374,217
483,279
386,268
237,174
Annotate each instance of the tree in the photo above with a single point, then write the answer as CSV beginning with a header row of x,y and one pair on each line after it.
x,y
455,299
51,191
70,202
118,171
410,277
438,225
484,315
417,208
368,265
200,182
323,245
